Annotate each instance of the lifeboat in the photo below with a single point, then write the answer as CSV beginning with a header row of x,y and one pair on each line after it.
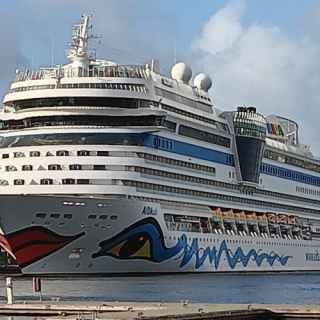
x,y
240,215
262,218
292,220
216,213
251,216
282,219
227,214
271,218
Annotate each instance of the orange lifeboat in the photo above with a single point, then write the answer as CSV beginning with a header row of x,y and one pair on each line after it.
x,y
227,214
292,220
216,213
251,216
262,217
282,219
240,215
271,218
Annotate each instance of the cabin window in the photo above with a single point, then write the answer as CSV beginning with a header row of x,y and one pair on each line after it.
x,y
4,183
46,181
68,181
75,167
27,167
170,125
18,182
18,154
204,136
11,168
40,215
102,153
54,167
34,154
83,181
83,153
62,153
99,167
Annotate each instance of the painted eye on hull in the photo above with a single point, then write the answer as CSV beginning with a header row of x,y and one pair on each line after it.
x,y
142,240
137,246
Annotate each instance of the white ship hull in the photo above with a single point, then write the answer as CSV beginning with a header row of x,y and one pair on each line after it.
x,y
135,240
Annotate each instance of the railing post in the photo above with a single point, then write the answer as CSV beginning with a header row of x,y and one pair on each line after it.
x,y
9,288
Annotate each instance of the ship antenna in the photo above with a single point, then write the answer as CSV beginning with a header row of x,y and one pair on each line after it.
x,y
78,53
52,52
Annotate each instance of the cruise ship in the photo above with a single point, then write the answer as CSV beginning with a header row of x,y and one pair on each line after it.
x,y
118,169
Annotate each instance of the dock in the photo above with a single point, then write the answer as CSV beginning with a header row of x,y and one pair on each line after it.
x,y
160,311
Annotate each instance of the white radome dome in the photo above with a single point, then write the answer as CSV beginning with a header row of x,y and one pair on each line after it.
x,y
203,82
181,72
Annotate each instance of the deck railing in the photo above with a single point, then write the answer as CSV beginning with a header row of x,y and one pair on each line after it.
x,y
123,71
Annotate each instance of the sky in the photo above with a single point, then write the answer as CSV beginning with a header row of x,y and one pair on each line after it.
x,y
263,53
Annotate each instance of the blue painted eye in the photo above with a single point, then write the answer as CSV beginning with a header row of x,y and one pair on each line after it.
x,y
142,240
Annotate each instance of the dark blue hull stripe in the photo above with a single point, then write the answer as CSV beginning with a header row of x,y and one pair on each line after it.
x,y
289,174
187,149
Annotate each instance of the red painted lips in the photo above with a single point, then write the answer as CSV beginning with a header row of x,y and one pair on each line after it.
x,y
34,243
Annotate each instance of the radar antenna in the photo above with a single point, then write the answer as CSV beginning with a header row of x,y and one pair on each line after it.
x,y
78,52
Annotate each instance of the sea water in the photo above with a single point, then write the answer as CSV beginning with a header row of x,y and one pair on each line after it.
x,y
197,288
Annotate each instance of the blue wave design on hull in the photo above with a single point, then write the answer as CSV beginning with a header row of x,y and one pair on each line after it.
x,y
215,256
144,240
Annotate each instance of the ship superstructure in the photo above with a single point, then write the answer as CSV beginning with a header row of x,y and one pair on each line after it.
x,y
109,168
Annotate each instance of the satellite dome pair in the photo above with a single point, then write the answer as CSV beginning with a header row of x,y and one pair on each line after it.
x,y
183,73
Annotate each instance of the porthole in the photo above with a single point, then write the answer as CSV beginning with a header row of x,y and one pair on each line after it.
x,y
41,215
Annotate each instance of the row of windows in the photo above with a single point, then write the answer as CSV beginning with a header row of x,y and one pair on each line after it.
x,y
83,120
202,97
69,216
134,139
54,215
221,197
308,191
175,176
182,99
283,196
276,156
58,167
111,86
220,126
96,101
290,174
150,157
119,71
67,181
204,136
250,242
59,153
249,123
177,163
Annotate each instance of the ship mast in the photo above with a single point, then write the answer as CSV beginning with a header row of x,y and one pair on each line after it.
x,y
78,53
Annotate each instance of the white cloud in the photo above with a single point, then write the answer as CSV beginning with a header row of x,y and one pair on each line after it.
x,y
132,32
262,66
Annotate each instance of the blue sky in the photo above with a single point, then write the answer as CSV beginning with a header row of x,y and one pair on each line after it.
x,y
183,19
258,52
